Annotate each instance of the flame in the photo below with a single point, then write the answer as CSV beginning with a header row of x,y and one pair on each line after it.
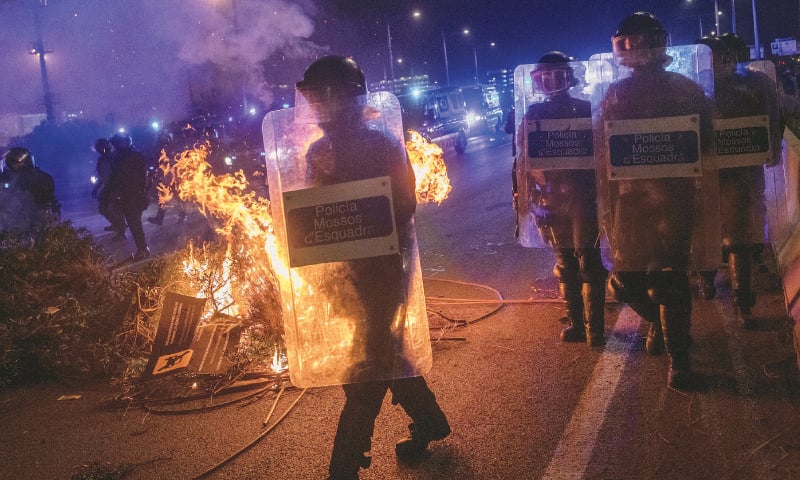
x,y
427,160
238,215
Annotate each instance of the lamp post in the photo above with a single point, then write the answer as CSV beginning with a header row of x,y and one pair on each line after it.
x,y
464,32
38,49
414,14
755,32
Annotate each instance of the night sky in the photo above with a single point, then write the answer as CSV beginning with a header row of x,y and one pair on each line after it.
x,y
143,59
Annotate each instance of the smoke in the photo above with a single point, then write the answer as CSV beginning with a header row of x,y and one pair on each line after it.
x,y
137,60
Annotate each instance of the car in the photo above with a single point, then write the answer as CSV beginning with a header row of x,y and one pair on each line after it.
x,y
439,115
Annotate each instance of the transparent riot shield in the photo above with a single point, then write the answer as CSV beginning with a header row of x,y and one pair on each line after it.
x,y
747,139
345,250
555,159
653,123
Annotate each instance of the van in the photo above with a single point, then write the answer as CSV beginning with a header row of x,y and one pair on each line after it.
x,y
439,115
483,109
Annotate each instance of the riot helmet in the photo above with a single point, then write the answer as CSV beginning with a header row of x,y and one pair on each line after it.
x,y
724,57
210,133
640,41
335,86
121,141
553,73
102,146
18,159
736,45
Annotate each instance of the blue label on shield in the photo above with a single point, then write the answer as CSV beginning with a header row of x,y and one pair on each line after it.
x,y
663,148
560,143
742,141
337,222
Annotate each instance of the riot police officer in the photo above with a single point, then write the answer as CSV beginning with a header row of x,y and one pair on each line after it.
x,y
100,191
335,88
565,206
650,220
127,189
29,194
742,203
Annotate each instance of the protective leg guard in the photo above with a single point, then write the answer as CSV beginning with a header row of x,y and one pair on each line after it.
x,y
356,425
571,293
654,344
741,266
675,324
594,302
707,287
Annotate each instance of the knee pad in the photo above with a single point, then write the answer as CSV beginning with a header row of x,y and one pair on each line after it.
x,y
567,267
591,266
670,288
628,287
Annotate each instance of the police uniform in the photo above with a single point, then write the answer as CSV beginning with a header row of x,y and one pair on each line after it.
x,y
651,221
566,216
350,151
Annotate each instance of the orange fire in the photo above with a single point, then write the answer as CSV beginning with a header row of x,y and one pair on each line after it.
x,y
427,160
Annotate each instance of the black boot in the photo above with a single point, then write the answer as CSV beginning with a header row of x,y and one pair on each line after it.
x,y
573,301
429,421
707,287
675,323
594,303
654,344
741,266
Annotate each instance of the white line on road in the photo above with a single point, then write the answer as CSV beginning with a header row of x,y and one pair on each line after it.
x,y
573,452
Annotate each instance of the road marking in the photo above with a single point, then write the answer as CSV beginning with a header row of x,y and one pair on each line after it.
x,y
574,450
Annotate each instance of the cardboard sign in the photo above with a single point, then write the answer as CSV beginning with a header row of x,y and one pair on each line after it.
x,y
214,344
653,147
176,329
560,144
340,222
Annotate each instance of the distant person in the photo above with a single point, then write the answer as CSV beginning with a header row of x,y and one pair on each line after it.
x,y
28,195
100,191
335,87
127,189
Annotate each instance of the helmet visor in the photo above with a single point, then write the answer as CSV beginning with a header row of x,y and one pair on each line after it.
x,y
551,81
641,41
325,105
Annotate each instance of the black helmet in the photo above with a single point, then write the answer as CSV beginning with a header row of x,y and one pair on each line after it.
x,y
334,74
19,158
737,46
553,73
121,141
723,55
210,133
641,32
102,146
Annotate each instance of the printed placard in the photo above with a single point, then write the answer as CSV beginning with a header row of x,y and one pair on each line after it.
x,y
340,222
653,147
176,329
741,142
560,144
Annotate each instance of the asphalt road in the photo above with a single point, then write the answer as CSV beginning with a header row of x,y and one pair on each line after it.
x,y
522,404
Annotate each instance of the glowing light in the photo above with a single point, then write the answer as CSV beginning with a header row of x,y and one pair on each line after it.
x,y
427,160
155,125
252,111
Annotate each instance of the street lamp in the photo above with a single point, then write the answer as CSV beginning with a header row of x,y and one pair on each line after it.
x,y
38,49
414,14
464,32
